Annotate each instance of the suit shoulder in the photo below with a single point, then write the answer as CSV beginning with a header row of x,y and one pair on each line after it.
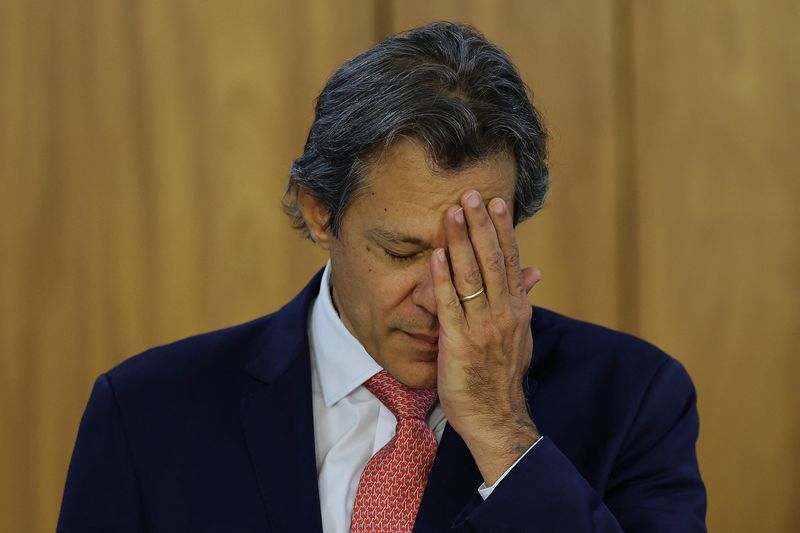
x,y
573,340
622,377
199,358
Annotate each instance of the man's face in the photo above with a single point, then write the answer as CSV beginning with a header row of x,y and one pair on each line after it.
x,y
381,262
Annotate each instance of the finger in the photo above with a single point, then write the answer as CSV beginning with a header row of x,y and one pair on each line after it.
x,y
448,306
483,237
504,227
466,274
530,277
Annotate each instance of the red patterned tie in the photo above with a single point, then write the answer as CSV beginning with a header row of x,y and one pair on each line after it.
x,y
391,486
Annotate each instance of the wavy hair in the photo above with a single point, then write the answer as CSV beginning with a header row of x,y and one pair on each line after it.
x,y
443,85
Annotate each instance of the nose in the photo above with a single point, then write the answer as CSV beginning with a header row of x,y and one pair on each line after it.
x,y
423,295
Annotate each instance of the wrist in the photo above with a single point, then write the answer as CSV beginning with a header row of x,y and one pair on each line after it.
x,y
496,449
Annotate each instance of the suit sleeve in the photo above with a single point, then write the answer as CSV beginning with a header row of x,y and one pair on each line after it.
x,y
101,492
654,487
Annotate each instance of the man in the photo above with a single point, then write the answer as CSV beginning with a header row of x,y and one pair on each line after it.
x,y
410,384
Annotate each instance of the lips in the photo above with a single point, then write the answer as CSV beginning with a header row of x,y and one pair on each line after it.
x,y
429,339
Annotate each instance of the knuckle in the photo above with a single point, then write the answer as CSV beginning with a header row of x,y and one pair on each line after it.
x,y
495,261
473,277
453,305
513,259
520,289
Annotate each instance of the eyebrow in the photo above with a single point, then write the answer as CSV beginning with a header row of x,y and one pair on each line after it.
x,y
394,237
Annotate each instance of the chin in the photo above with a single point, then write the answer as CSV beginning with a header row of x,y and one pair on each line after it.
x,y
418,375
414,363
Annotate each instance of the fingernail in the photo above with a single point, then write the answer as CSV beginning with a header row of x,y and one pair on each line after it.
x,y
498,206
440,255
474,200
459,216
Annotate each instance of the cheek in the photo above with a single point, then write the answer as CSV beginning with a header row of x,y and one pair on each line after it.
x,y
378,286
382,272
401,286
390,288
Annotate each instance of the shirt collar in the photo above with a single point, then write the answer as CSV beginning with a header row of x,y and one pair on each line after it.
x,y
341,360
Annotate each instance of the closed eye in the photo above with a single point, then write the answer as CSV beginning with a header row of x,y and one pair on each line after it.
x,y
399,257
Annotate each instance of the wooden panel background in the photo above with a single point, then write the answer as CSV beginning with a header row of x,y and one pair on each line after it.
x,y
144,147
716,126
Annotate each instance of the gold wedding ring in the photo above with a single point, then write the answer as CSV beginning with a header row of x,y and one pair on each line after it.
x,y
473,295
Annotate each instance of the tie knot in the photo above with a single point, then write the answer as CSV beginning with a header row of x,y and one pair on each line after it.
x,y
402,401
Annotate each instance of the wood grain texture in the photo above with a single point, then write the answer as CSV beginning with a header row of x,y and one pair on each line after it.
x,y
717,87
144,149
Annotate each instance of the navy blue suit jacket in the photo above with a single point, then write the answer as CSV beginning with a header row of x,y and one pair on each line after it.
x,y
215,434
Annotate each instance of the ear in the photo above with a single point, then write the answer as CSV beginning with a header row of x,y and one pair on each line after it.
x,y
316,216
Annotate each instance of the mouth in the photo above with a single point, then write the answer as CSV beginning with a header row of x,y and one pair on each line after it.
x,y
427,341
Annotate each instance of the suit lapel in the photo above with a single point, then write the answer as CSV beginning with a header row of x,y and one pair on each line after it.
x,y
453,481
278,422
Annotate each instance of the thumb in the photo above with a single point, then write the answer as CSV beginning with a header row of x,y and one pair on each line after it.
x,y
530,277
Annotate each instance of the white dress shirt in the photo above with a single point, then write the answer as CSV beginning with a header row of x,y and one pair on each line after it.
x,y
350,423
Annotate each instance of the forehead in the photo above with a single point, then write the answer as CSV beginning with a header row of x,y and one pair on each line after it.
x,y
404,181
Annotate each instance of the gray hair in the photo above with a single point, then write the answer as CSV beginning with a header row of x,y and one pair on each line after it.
x,y
443,85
